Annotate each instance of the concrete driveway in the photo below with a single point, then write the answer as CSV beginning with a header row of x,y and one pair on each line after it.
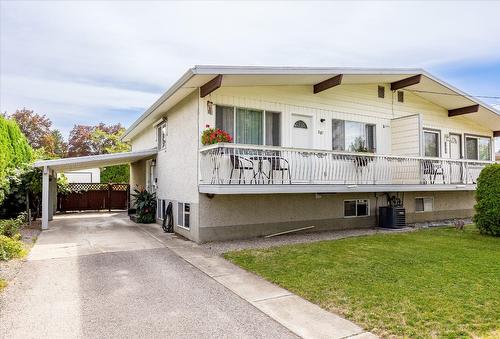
x,y
101,276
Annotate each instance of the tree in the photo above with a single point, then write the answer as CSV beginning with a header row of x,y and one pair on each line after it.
x,y
14,151
92,140
108,141
34,126
59,146
79,143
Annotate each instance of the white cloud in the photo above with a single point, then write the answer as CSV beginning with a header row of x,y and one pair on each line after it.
x,y
71,54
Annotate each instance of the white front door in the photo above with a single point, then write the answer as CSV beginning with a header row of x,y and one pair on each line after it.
x,y
302,132
455,146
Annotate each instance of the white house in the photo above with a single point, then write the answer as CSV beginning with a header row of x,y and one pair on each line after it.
x,y
295,159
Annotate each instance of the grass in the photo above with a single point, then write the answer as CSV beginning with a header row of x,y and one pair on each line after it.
x,y
429,283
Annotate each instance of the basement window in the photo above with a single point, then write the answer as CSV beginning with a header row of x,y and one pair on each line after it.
x,y
356,208
424,204
183,214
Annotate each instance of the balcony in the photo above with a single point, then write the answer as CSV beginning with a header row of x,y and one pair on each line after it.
x,y
249,169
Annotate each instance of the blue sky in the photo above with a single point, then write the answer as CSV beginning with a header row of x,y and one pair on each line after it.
x,y
86,62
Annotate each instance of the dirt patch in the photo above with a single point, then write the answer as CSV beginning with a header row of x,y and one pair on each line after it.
x,y
29,234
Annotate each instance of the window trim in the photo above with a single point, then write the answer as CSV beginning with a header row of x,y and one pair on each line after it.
x,y
477,137
264,125
357,216
183,215
423,204
435,131
158,134
374,150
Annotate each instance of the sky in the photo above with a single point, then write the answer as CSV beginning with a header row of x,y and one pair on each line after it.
x,y
86,62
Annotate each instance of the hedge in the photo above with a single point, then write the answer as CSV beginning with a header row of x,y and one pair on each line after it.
x,y
487,217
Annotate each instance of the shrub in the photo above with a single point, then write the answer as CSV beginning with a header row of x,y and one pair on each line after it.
x,y
145,203
11,247
487,217
10,227
14,151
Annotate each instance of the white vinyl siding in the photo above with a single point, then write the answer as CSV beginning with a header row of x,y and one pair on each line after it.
x,y
346,102
405,135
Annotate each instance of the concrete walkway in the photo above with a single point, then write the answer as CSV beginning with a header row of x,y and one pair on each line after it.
x,y
101,276
295,313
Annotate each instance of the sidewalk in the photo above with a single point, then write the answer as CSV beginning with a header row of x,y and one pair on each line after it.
x,y
295,313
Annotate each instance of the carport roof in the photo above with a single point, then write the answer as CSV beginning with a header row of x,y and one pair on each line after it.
x,y
92,161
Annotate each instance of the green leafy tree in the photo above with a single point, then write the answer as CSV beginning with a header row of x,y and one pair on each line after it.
x,y
14,151
106,142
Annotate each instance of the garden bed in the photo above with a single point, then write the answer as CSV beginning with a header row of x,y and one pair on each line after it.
x,y
10,268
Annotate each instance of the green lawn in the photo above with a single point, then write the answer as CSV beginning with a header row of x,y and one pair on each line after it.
x,y
428,283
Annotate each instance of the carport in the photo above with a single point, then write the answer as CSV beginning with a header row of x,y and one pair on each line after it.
x,y
50,168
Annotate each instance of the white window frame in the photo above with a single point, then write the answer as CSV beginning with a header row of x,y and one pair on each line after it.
x,y
477,137
357,216
423,204
161,145
435,131
359,122
264,113
184,213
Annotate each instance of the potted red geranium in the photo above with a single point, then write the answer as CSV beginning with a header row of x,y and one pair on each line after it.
x,y
212,136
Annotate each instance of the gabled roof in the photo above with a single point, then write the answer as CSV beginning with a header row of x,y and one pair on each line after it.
x,y
429,87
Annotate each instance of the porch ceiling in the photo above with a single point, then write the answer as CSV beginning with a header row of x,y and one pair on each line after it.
x,y
92,161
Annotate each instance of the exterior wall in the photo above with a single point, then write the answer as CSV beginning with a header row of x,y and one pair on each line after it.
x,y
345,102
227,217
137,174
144,140
177,164
405,135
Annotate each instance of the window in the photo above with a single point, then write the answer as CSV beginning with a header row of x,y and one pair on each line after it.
x,y
401,96
249,126
161,206
300,124
183,213
381,92
356,208
161,135
424,204
431,143
477,148
352,136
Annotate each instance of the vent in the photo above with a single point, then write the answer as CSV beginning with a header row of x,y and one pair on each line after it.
x,y
381,92
401,96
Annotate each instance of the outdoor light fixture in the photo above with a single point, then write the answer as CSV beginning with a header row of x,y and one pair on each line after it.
x,y
210,106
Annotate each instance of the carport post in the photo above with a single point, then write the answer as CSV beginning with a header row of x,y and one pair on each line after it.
x,y
45,197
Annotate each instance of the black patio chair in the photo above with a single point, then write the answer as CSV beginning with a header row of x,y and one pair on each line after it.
x,y
432,169
278,164
241,164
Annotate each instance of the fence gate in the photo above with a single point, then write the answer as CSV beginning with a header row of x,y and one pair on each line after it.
x,y
94,197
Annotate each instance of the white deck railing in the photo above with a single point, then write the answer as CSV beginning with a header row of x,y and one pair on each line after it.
x,y
224,163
